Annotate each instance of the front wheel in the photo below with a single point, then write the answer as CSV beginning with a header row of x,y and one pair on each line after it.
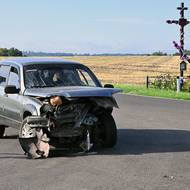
x,y
108,130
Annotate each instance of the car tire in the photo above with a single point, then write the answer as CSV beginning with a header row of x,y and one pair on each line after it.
x,y
26,143
30,142
109,130
2,131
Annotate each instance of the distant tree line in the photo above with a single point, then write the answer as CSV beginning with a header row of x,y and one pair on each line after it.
x,y
10,52
31,53
159,53
187,52
156,53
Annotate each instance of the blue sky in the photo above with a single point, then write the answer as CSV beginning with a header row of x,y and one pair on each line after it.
x,y
87,26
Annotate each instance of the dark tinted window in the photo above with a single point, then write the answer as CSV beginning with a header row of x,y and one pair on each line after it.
x,y
4,72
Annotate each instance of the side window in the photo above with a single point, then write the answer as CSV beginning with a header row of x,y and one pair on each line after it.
x,y
86,78
14,77
4,73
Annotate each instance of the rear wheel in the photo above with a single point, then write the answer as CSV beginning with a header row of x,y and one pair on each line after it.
x,y
108,130
2,131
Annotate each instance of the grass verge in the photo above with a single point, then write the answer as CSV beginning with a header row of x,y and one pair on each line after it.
x,y
141,90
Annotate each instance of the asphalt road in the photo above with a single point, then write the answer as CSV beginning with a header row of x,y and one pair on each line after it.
x,y
152,153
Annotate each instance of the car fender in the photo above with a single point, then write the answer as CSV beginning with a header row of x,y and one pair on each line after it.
x,y
31,109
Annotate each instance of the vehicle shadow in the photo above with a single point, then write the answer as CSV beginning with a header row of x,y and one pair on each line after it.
x,y
10,137
11,156
130,142
141,141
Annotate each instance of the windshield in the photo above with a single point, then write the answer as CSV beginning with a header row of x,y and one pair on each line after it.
x,y
37,76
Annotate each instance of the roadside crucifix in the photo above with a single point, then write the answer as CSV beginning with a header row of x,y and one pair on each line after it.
x,y
182,22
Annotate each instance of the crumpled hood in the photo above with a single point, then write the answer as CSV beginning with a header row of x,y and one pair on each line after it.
x,y
72,92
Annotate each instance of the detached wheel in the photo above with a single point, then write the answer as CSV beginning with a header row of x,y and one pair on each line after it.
x,y
109,130
27,139
33,141
2,131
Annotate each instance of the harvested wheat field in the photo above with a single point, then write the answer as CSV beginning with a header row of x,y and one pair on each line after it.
x,y
130,69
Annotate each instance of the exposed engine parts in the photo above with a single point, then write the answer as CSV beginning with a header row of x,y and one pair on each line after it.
x,y
67,123
90,120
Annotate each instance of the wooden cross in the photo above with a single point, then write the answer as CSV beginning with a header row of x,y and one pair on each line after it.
x,y
182,22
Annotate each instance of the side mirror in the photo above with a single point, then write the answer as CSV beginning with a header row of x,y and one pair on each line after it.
x,y
108,86
11,89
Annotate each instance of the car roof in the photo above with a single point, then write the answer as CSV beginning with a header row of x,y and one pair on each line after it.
x,y
31,60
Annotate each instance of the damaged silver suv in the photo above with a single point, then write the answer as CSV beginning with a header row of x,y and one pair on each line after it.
x,y
55,104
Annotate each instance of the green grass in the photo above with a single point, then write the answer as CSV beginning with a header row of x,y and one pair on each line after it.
x,y
142,90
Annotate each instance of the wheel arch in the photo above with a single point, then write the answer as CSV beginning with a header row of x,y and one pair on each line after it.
x,y
26,114
29,111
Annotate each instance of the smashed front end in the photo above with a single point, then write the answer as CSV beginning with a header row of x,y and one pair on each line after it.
x,y
69,123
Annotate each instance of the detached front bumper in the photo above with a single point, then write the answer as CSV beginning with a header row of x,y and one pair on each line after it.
x,y
37,122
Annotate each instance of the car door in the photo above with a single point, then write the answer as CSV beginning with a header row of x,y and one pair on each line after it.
x,y
4,72
13,107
